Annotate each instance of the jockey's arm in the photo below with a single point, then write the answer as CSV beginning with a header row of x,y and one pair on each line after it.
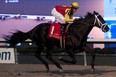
x,y
68,18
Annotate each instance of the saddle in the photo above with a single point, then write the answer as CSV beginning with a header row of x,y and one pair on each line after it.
x,y
59,31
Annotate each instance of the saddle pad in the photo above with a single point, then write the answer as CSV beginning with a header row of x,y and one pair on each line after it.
x,y
55,31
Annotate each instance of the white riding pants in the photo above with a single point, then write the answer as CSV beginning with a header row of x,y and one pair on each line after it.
x,y
58,15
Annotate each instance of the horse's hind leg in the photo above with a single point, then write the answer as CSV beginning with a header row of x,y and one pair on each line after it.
x,y
38,55
71,55
87,49
49,56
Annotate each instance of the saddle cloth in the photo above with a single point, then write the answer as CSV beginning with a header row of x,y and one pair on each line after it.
x,y
55,31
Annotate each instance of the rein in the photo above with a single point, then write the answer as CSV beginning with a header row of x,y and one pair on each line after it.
x,y
103,25
85,23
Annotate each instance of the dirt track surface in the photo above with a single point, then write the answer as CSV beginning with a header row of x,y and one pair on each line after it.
x,y
38,70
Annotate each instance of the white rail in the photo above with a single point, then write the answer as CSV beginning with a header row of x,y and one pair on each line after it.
x,y
100,40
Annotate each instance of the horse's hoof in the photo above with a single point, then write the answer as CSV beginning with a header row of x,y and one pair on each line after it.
x,y
60,70
47,70
92,70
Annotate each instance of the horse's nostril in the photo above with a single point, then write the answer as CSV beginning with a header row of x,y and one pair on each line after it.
x,y
108,29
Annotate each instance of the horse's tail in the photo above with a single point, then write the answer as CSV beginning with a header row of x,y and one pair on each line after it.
x,y
16,38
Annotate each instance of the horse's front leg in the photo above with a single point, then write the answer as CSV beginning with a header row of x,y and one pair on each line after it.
x,y
87,49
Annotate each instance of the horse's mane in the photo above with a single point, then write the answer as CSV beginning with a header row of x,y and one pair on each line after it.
x,y
88,15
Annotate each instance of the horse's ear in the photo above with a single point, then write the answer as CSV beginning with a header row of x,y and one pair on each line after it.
x,y
95,12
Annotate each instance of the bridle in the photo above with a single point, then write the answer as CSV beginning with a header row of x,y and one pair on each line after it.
x,y
101,25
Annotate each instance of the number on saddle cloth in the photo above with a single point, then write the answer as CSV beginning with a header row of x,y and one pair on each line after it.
x,y
55,31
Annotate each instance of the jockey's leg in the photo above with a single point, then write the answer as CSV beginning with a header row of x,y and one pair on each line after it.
x,y
58,15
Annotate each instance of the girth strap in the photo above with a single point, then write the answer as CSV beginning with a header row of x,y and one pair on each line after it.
x,y
63,36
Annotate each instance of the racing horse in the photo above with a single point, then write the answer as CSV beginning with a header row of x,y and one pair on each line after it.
x,y
76,38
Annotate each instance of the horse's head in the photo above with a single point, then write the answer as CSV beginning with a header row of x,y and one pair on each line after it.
x,y
100,22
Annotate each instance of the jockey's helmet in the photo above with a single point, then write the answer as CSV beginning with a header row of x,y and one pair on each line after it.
x,y
75,5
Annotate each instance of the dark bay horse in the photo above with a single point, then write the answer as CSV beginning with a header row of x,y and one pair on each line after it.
x,y
77,38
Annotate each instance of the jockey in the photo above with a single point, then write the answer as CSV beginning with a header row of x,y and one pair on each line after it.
x,y
65,13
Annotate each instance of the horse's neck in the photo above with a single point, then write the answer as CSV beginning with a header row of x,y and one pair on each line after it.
x,y
81,30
